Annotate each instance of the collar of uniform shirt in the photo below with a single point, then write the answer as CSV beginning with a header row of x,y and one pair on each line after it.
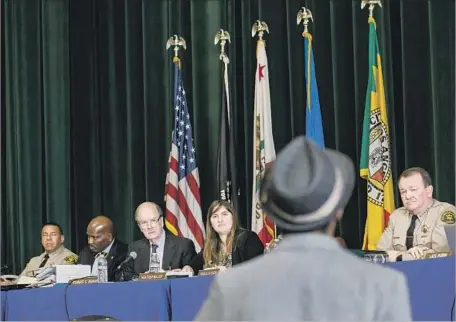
x,y
160,242
426,210
53,254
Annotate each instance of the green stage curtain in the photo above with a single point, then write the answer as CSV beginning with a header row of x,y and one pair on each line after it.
x,y
87,101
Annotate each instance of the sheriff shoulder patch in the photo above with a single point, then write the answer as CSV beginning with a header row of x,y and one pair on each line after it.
x,y
448,217
70,259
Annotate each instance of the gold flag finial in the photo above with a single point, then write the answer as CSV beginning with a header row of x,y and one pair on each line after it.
x,y
222,36
304,15
176,42
260,27
371,4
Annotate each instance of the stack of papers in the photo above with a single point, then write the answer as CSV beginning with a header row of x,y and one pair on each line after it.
x,y
45,275
173,273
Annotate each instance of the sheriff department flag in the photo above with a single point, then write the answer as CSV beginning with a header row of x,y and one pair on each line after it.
x,y
375,164
263,144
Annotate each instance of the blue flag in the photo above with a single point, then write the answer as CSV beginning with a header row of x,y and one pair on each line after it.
x,y
314,125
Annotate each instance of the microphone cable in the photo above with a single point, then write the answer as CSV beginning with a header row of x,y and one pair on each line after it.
x,y
65,291
452,309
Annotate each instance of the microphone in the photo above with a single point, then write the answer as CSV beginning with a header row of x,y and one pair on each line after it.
x,y
132,255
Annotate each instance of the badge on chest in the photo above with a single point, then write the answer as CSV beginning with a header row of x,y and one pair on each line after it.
x,y
424,228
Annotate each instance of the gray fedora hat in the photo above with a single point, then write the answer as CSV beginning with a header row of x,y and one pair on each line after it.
x,y
306,186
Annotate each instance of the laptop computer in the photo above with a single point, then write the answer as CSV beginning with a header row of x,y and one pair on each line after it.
x,y
450,232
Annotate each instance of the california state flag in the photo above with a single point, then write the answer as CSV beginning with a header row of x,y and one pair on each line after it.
x,y
263,141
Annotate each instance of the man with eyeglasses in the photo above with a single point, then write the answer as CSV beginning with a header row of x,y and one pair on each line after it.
x,y
173,252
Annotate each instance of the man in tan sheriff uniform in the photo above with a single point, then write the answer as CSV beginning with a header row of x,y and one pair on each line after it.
x,y
417,228
55,253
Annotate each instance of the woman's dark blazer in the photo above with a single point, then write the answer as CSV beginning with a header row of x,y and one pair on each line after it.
x,y
247,246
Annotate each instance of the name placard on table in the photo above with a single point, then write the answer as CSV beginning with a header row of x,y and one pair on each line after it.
x,y
209,271
152,276
84,280
438,255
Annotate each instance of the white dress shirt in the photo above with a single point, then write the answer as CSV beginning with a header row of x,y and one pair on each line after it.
x,y
104,253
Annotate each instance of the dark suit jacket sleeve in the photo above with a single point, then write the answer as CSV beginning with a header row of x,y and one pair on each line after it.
x,y
129,268
252,247
84,257
197,262
80,256
121,254
189,253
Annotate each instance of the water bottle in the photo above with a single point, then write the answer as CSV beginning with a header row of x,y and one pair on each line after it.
x,y
267,248
154,264
102,270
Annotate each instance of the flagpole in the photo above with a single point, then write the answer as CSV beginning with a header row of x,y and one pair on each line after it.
x,y
260,27
371,7
223,36
304,15
176,42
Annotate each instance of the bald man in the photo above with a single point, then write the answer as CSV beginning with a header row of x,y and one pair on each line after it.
x,y
101,242
173,252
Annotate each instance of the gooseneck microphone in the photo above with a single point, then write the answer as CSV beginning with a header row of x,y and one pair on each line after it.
x,y
132,255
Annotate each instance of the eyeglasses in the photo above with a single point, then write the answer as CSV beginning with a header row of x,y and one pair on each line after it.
x,y
146,223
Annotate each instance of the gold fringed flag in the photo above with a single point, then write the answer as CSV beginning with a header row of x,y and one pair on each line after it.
x,y
183,203
375,164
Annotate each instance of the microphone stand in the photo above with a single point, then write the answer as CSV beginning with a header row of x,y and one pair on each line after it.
x,y
121,271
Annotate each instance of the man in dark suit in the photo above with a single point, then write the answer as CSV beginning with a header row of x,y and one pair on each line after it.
x,y
173,252
101,242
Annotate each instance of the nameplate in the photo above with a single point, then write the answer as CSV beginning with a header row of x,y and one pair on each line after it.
x,y
209,271
84,280
152,276
438,255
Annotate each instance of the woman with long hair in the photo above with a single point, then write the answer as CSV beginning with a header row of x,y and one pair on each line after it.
x,y
226,244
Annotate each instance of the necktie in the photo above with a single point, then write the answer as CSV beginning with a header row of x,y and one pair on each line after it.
x,y
154,248
45,259
101,254
410,231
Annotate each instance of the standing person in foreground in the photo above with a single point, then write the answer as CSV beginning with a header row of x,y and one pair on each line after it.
x,y
310,277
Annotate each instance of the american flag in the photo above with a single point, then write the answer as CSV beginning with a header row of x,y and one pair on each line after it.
x,y
183,205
